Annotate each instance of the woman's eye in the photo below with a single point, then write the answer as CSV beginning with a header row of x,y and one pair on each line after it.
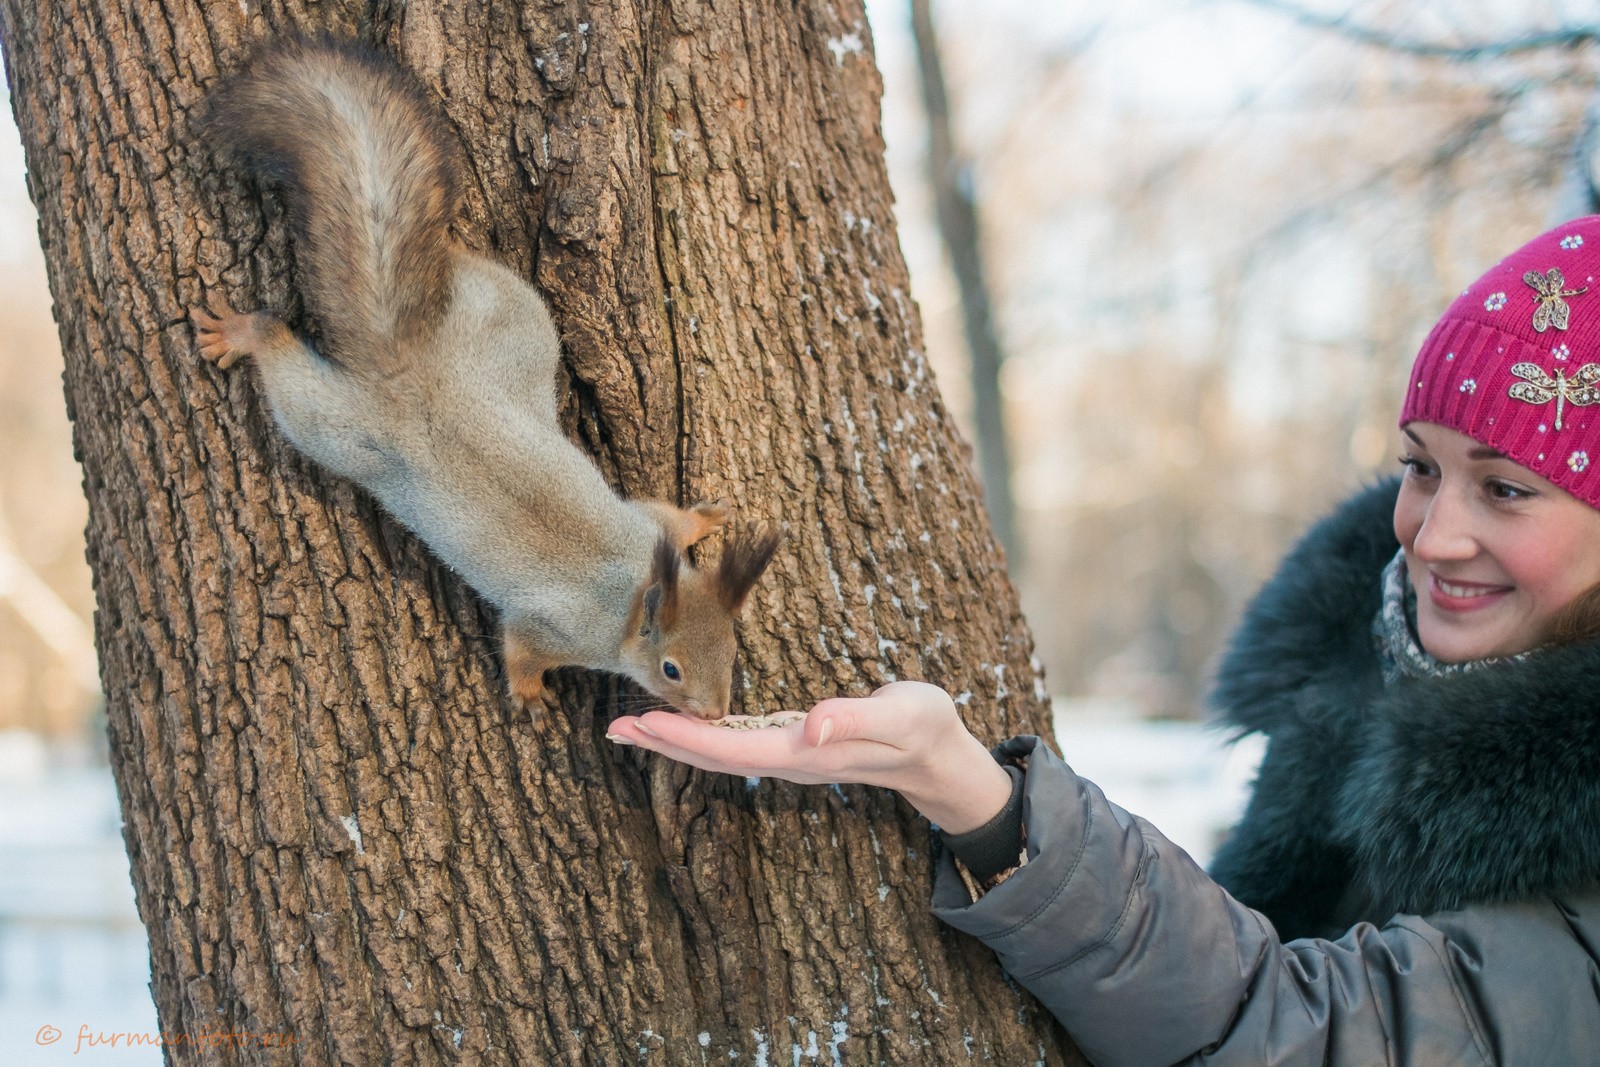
x,y
1416,467
670,669
1499,490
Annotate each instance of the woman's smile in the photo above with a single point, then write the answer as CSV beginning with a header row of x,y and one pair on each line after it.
x,y
1494,551
1459,595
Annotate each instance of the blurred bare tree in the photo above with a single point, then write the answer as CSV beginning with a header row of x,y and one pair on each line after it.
x,y
956,215
1215,234
1580,192
48,679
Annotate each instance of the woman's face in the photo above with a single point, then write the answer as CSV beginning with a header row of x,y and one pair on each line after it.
x,y
1493,550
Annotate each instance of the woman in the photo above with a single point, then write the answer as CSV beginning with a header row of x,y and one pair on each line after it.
x,y
1417,877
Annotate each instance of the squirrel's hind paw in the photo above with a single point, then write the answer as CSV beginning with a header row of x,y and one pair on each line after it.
x,y
225,336
702,518
713,513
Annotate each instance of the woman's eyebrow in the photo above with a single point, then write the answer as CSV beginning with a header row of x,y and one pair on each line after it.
x,y
1479,452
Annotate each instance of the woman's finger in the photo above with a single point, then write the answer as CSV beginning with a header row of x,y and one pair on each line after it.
x,y
710,747
886,717
626,731
777,752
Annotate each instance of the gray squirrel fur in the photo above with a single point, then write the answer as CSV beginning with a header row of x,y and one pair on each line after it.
x,y
435,388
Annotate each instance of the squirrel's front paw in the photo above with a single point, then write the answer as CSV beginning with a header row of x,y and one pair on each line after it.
x,y
528,692
525,688
225,336
524,672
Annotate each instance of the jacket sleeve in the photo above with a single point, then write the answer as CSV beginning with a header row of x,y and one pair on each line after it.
x,y
1145,960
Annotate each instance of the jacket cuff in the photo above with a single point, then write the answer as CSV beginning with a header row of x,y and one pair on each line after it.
x,y
1061,888
1054,834
994,846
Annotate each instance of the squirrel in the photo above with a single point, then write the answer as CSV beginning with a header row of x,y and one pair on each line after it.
x,y
435,388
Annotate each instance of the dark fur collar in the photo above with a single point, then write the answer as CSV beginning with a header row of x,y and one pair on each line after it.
x,y
1432,794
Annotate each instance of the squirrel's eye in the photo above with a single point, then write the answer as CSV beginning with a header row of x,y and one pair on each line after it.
x,y
670,669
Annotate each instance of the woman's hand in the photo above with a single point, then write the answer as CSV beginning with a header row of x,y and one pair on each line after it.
x,y
906,736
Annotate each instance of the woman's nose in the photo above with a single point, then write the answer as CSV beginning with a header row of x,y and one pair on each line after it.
x,y
1446,532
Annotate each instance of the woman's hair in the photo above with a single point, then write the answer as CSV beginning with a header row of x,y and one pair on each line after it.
x,y
1578,621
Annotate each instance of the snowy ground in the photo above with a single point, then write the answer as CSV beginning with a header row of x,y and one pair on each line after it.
x,y
72,952
1183,777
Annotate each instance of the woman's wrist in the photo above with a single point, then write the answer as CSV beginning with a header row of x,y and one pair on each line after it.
x,y
962,789
997,845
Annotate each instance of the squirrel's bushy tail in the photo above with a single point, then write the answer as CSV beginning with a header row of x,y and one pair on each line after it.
x,y
370,169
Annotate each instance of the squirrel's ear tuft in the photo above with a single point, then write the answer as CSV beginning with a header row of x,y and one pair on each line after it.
x,y
661,596
746,556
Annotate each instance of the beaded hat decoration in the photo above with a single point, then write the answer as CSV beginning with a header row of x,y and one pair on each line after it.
x,y
1515,361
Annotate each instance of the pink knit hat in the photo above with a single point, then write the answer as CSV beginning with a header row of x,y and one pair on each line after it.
x,y
1515,362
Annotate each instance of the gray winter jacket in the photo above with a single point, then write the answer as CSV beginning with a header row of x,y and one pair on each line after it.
x,y
1433,848
1145,960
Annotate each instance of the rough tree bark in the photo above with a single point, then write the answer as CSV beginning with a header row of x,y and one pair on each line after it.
x,y
338,828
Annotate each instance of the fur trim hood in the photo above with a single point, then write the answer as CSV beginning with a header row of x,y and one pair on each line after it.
x,y
1424,796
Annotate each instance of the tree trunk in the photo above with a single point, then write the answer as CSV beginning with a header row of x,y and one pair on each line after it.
x,y
339,830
